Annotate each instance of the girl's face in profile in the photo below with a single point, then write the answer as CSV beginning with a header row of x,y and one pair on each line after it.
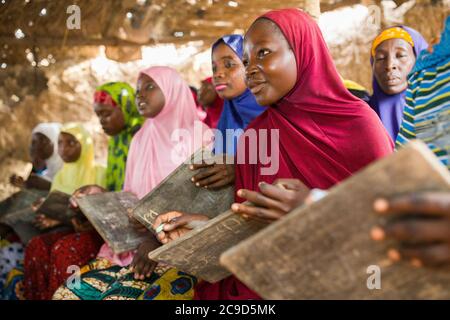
x,y
271,69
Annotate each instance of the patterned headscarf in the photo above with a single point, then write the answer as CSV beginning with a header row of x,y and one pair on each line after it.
x,y
122,95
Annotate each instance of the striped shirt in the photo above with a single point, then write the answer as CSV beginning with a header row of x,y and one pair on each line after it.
x,y
427,112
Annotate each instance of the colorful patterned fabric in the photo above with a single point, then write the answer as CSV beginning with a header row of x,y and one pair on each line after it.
x,y
11,256
101,280
13,289
48,256
439,53
123,95
427,112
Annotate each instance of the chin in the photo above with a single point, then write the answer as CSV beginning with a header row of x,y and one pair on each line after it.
x,y
394,90
263,101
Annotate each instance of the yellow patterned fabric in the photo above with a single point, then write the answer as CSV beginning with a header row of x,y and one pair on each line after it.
x,y
100,280
391,33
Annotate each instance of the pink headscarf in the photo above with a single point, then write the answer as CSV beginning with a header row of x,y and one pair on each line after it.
x,y
153,155
152,148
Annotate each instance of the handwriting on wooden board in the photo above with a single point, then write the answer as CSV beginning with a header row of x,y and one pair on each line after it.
x,y
198,251
108,214
178,193
324,250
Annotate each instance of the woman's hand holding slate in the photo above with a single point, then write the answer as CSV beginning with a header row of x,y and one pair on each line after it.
x,y
273,201
421,226
176,224
214,176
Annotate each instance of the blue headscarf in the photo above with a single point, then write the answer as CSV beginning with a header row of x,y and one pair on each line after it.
x,y
238,112
390,107
441,51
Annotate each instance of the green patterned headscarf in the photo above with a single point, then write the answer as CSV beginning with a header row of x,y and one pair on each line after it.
x,y
123,95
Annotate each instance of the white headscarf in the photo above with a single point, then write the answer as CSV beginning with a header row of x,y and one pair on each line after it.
x,y
51,130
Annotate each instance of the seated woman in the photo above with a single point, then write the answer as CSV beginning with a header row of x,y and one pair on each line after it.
x,y
394,52
423,234
46,163
211,102
75,146
166,102
325,133
114,104
44,156
239,109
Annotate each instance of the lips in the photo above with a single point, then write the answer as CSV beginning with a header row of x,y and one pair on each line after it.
x,y
142,105
256,86
392,80
221,86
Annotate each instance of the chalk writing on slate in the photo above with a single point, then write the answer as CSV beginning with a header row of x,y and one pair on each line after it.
x,y
198,251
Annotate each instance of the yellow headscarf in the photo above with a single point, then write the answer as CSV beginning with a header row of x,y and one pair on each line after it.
x,y
82,172
352,85
392,33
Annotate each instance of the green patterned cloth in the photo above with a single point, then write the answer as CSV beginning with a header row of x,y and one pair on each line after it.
x,y
122,94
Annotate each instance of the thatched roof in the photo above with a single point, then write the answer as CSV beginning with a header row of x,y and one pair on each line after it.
x,y
130,23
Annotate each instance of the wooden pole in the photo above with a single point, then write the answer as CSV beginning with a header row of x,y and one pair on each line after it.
x,y
313,8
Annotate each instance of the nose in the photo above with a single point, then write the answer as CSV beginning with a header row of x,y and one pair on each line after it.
x,y
219,74
391,63
250,70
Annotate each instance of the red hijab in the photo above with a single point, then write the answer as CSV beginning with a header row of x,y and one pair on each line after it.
x,y
326,133
213,111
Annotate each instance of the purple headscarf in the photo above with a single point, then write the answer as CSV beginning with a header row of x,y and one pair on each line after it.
x,y
390,107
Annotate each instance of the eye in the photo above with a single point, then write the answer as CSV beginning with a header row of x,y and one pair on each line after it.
x,y
263,52
214,69
150,86
229,64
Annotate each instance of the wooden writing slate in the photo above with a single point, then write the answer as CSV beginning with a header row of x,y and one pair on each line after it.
x,y
16,212
323,251
108,214
56,206
178,193
20,200
198,251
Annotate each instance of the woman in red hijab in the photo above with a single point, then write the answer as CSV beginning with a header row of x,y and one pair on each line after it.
x,y
325,133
